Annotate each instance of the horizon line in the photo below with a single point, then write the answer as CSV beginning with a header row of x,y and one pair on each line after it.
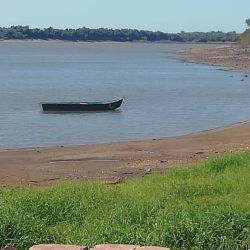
x,y
109,28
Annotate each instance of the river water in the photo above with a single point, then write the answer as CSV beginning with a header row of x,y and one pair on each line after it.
x,y
163,96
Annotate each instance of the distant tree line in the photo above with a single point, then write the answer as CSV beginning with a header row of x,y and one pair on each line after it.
x,y
121,35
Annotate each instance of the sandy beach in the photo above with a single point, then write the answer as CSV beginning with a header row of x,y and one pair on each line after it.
x,y
230,56
116,162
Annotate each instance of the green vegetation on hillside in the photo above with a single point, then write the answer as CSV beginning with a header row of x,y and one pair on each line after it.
x,y
248,22
205,206
244,39
121,35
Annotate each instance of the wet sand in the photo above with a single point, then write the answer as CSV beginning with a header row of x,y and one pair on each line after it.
x,y
116,161
230,56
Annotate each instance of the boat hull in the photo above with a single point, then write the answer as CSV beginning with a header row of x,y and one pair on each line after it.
x,y
80,106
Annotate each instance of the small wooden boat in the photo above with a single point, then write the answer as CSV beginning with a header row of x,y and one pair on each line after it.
x,y
80,106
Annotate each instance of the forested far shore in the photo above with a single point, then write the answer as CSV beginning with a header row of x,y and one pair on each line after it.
x,y
119,35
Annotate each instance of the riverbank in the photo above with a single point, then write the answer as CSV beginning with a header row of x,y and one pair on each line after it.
x,y
230,56
116,161
203,206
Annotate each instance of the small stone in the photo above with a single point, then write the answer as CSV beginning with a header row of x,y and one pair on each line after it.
x,y
199,152
152,248
147,171
57,247
115,247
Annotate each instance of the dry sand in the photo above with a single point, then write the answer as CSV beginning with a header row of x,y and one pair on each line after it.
x,y
117,161
231,56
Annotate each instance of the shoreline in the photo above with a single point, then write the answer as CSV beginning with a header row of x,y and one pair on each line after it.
x,y
112,41
231,57
125,141
115,162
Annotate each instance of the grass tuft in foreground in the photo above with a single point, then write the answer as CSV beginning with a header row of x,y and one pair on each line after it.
x,y
204,206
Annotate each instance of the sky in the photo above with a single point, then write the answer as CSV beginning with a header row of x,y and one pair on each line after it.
x,y
163,15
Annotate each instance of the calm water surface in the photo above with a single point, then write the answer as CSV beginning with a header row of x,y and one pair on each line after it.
x,y
163,96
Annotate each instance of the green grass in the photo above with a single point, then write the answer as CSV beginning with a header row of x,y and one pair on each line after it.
x,y
204,206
